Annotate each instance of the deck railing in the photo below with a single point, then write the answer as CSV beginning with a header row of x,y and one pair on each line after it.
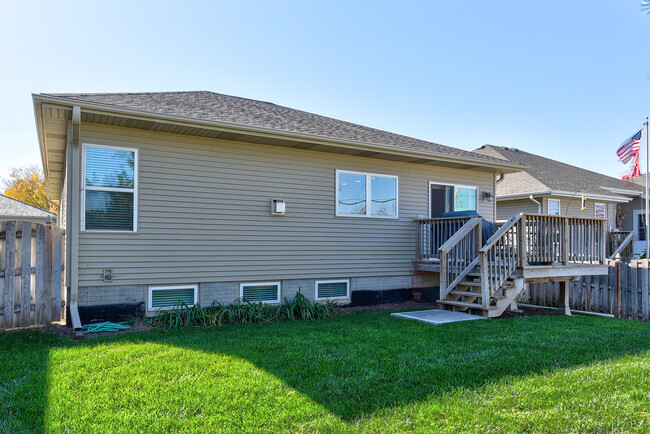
x,y
545,239
624,247
566,240
501,256
433,233
622,243
459,255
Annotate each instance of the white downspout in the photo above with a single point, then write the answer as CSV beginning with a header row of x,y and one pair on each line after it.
x,y
539,205
73,212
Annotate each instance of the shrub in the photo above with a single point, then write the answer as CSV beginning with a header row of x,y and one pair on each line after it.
x,y
241,312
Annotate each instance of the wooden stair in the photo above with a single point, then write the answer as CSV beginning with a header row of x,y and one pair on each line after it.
x,y
467,297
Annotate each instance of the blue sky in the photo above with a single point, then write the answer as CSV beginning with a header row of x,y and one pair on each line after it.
x,y
565,79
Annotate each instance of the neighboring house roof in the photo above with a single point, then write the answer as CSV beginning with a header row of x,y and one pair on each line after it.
x,y
552,177
11,208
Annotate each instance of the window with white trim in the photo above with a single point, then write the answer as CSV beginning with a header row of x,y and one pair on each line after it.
x,y
554,207
266,292
600,211
109,197
361,194
445,198
170,297
332,289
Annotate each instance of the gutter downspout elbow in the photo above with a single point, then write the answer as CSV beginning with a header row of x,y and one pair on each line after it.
x,y
539,205
73,193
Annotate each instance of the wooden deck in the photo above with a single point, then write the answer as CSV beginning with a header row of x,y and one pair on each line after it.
x,y
486,277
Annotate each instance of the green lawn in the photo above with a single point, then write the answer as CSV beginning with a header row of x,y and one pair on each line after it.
x,y
357,372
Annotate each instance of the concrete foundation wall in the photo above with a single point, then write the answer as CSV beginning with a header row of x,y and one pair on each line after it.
x,y
227,292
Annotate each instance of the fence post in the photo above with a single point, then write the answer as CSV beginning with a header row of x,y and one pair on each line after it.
x,y
617,286
644,289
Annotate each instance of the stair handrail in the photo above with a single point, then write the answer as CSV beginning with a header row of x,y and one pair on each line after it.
x,y
464,246
497,266
623,246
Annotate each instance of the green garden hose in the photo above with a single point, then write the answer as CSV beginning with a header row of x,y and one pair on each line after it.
x,y
105,327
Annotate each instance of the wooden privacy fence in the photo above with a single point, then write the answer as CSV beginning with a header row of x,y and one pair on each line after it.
x,y
31,264
623,293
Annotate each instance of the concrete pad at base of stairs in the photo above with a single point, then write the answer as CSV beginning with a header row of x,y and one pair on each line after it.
x,y
437,316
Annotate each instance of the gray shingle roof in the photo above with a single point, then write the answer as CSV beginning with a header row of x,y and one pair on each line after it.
x,y
210,106
544,174
10,207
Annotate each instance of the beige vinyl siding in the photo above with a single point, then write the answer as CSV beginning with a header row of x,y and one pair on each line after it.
x,y
575,208
628,213
204,214
508,208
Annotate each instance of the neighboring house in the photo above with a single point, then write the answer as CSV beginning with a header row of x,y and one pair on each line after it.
x,y
13,209
206,197
552,187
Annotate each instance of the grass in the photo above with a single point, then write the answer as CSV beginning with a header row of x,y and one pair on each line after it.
x,y
359,372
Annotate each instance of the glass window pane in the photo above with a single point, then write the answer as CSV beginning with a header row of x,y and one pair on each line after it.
x,y
109,168
600,211
383,196
554,207
465,199
352,194
109,210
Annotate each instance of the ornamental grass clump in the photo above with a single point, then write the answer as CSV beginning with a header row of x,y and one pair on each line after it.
x,y
242,312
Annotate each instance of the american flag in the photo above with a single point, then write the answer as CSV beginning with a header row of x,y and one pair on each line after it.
x,y
630,147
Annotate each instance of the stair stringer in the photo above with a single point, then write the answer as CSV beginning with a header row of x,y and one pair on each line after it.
x,y
510,293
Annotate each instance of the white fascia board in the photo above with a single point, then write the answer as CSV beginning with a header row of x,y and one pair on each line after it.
x,y
621,199
623,191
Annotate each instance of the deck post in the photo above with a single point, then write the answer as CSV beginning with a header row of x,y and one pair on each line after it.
x,y
485,290
418,240
564,307
444,272
479,236
603,242
617,286
565,243
521,241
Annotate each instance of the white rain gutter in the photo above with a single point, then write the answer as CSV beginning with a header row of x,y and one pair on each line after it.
x,y
73,192
539,205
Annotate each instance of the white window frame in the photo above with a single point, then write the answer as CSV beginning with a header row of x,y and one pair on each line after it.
x,y
368,213
448,184
279,294
346,297
85,188
604,210
559,207
150,308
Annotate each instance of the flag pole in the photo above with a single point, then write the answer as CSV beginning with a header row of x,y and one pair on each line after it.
x,y
647,161
647,220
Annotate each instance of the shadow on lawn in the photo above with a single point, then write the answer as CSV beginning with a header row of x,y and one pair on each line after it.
x,y
355,365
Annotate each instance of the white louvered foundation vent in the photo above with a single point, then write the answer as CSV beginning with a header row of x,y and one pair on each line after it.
x,y
332,289
266,292
170,297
